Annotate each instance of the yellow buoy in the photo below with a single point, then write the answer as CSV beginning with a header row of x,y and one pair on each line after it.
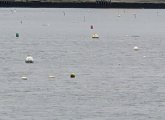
x,y
72,75
95,35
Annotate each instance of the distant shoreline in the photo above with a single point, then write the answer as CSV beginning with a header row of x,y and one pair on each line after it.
x,y
82,5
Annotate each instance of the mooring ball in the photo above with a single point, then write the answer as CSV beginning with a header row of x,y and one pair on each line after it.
x,y
29,59
91,26
136,48
95,35
24,78
17,34
72,75
51,76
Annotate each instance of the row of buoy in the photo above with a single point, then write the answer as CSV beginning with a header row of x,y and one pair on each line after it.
x,y
94,35
72,75
29,59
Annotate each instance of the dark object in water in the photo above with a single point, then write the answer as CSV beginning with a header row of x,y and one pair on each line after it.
x,y
29,62
17,35
72,75
91,26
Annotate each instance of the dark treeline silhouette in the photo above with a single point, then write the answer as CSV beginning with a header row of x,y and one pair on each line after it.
x,y
97,4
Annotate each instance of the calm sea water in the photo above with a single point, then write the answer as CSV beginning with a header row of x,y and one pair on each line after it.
x,y
113,82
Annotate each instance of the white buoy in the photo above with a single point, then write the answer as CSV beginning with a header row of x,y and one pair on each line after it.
x,y
119,15
95,35
29,59
51,76
24,78
136,48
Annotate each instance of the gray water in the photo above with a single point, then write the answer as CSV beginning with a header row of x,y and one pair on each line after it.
x,y
113,82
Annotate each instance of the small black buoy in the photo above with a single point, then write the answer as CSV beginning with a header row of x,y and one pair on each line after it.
x,y
72,75
17,34
91,26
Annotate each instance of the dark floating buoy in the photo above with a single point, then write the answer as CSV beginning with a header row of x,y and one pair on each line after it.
x,y
29,59
91,26
72,75
17,35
